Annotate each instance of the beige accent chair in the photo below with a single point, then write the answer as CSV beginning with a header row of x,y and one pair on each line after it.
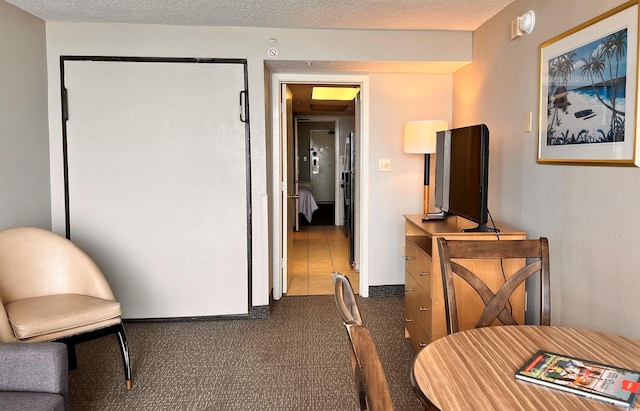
x,y
52,291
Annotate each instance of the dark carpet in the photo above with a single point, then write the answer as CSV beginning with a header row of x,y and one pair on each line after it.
x,y
296,359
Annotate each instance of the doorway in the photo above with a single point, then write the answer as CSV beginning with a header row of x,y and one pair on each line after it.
x,y
280,181
320,244
322,172
317,163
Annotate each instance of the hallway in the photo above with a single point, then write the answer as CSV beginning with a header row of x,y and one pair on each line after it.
x,y
317,252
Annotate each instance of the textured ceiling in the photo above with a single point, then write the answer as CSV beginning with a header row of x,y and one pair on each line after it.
x,y
321,14
466,15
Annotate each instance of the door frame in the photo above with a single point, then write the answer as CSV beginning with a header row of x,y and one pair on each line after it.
x,y
277,79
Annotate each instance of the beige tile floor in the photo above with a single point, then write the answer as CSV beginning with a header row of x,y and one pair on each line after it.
x,y
318,251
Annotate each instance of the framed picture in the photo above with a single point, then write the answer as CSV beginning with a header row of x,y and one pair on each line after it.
x,y
588,99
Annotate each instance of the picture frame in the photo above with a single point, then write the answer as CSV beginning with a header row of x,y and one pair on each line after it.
x,y
588,92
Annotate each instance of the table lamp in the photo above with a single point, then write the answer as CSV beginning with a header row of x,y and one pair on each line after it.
x,y
420,138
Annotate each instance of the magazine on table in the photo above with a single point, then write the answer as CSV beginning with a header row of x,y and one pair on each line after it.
x,y
603,382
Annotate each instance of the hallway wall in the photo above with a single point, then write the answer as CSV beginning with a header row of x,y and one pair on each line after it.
x,y
304,135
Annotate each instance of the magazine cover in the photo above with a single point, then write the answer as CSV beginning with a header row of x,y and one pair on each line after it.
x,y
615,385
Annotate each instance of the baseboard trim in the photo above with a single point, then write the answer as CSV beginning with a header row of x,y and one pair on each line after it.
x,y
259,312
194,318
386,290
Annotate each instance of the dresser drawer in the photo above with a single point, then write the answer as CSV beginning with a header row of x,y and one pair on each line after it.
x,y
418,300
419,265
418,335
413,294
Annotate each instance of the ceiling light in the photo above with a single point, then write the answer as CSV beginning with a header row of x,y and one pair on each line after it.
x,y
335,93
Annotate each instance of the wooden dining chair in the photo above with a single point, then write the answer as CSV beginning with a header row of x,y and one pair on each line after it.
x,y
534,255
346,299
371,385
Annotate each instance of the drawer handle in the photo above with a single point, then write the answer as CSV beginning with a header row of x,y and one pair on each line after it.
x,y
407,258
407,289
423,273
422,345
422,309
407,320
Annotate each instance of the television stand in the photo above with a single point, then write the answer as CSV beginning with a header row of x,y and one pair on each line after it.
x,y
481,228
434,216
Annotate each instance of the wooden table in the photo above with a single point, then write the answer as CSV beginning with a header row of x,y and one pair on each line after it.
x,y
474,369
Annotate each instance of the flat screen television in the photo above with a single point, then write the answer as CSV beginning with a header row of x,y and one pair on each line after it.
x,y
462,173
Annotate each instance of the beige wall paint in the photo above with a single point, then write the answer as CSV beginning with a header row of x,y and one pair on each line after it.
x,y
24,140
587,212
395,98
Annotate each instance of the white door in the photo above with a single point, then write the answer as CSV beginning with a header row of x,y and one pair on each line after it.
x,y
296,175
157,183
289,189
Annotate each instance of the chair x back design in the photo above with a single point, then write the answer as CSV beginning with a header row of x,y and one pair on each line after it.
x,y
534,253
345,299
52,291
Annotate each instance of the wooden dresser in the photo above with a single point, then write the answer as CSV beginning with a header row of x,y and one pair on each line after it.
x,y
424,298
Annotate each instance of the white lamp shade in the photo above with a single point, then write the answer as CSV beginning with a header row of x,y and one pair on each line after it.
x,y
420,136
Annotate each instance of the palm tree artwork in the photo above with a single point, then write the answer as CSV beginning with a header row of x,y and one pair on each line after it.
x,y
586,92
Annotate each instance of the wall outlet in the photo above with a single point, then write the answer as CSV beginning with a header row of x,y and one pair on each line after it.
x,y
384,164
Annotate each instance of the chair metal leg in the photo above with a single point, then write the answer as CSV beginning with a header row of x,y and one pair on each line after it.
x,y
118,329
71,356
124,350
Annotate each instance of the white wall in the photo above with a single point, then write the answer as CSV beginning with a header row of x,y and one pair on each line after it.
x,y
24,142
396,99
424,96
587,212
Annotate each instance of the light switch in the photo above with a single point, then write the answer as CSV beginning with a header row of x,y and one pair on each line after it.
x,y
384,164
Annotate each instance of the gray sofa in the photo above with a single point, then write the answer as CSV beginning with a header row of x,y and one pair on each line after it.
x,y
34,376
